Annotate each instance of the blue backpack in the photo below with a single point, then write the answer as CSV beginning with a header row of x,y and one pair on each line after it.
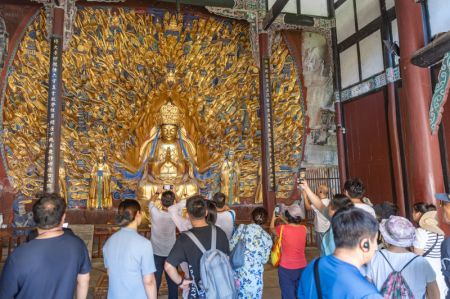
x,y
217,276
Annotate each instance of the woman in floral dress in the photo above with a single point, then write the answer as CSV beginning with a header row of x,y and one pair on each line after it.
x,y
258,244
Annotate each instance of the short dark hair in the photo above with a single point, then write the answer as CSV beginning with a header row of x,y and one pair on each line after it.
x,y
422,207
385,210
259,215
48,210
219,198
127,211
355,188
167,198
340,201
292,219
351,225
212,212
196,206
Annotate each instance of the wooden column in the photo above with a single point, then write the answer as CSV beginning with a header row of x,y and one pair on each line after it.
x,y
392,112
423,160
54,104
265,104
339,118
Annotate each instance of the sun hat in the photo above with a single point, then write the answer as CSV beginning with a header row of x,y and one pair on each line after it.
x,y
398,231
294,210
429,222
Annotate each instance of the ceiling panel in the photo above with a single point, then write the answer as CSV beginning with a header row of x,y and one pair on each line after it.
x,y
349,67
345,20
367,11
390,4
314,7
371,55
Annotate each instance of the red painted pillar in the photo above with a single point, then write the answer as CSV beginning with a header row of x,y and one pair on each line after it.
x,y
265,103
423,160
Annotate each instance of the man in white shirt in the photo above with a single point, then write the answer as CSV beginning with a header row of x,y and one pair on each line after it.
x,y
163,237
225,216
321,223
354,189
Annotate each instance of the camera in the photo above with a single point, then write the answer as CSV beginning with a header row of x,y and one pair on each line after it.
x,y
277,209
167,187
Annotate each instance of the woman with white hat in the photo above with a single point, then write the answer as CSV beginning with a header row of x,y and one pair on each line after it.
x,y
429,238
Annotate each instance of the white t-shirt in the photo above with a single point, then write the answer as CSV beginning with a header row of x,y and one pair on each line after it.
x,y
321,223
417,274
163,235
225,222
367,208
176,213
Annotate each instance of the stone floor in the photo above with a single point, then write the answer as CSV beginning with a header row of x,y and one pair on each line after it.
x,y
271,287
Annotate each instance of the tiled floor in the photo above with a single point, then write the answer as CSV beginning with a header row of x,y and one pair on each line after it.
x,y
271,287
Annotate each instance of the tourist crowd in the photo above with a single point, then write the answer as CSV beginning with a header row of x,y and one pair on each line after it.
x,y
365,251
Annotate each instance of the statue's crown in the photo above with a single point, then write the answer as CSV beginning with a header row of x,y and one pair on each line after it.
x,y
169,114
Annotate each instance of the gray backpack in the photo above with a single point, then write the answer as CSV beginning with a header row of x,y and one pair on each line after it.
x,y
217,279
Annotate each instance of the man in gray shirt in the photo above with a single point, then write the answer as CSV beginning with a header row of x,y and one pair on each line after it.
x,y
163,237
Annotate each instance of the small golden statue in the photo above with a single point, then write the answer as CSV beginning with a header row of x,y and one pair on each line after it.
x,y
62,181
259,188
100,196
169,157
229,178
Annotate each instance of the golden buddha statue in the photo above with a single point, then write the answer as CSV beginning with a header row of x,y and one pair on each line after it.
x,y
100,196
229,179
169,157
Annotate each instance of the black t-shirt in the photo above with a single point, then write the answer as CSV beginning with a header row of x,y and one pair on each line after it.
x,y
45,268
445,262
185,250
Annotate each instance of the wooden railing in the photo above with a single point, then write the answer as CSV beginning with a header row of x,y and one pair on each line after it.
x,y
11,238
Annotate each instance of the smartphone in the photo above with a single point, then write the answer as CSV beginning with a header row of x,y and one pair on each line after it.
x,y
167,187
301,175
277,210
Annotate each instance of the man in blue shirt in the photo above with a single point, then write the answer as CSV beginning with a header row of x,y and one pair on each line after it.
x,y
128,256
355,236
55,264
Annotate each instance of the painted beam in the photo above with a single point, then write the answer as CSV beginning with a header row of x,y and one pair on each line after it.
x,y
433,52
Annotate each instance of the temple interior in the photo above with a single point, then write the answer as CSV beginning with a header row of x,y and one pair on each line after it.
x,y
106,100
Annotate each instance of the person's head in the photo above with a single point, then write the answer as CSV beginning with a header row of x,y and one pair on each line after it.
x,y
129,212
167,198
398,231
421,208
196,207
354,188
322,191
355,230
444,201
49,211
385,210
293,214
219,198
259,216
168,132
211,216
339,201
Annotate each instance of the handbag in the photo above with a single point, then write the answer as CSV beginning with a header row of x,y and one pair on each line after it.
x,y
275,254
237,255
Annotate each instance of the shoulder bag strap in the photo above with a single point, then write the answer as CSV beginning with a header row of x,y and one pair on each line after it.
x,y
213,237
232,215
317,279
432,247
382,254
196,241
407,264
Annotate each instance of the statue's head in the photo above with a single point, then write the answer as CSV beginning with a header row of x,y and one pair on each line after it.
x,y
169,120
169,132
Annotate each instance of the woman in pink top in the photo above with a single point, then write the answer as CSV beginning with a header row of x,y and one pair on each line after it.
x,y
293,243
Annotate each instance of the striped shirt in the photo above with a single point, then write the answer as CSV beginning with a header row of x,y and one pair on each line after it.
x,y
426,240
